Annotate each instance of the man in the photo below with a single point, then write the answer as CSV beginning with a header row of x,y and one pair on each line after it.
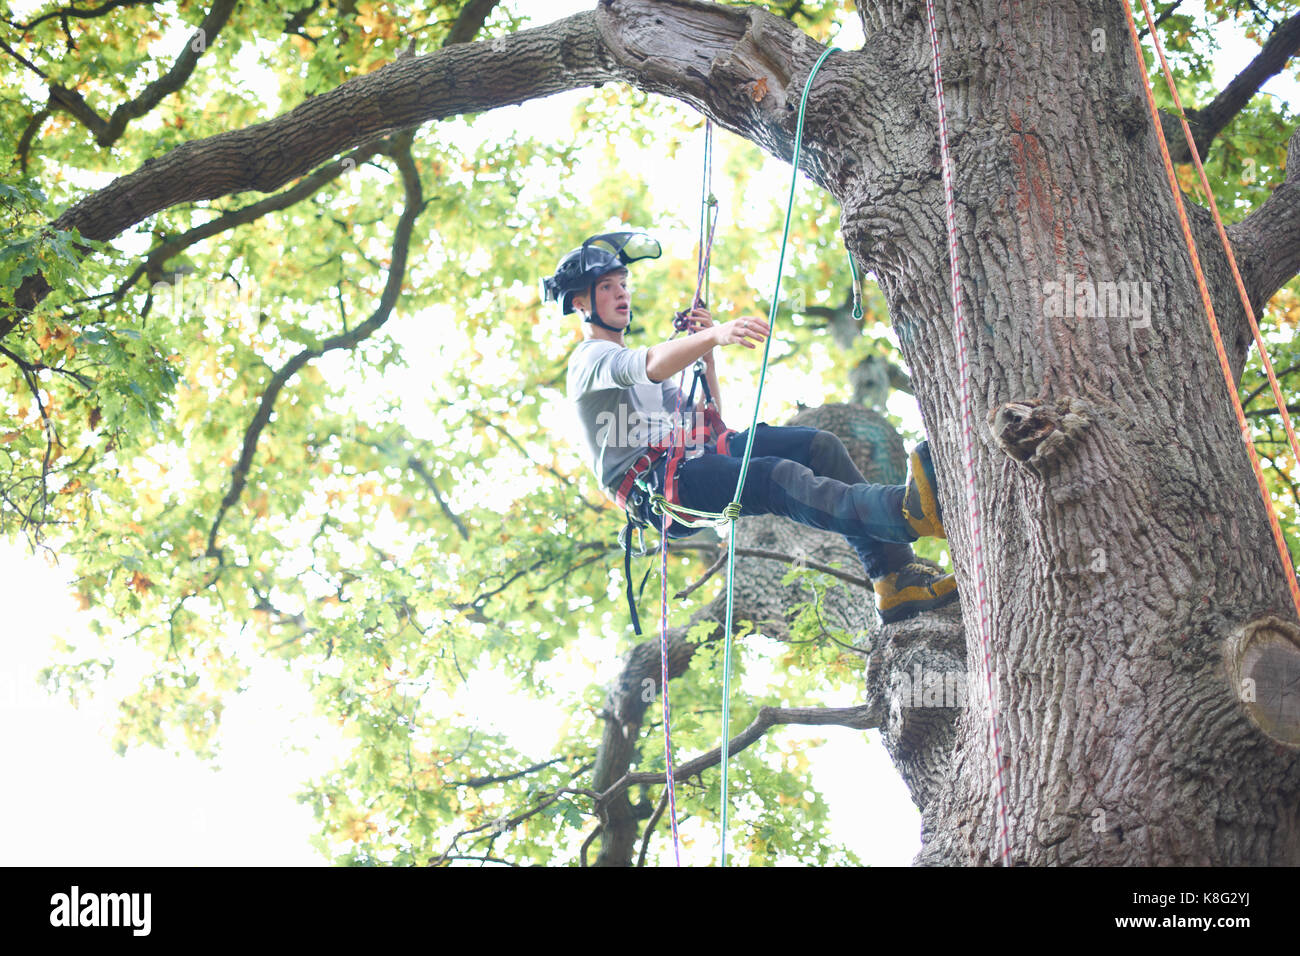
x,y
627,407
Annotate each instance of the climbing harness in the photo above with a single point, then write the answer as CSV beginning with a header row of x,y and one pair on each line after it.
x,y
637,486
1279,539
968,447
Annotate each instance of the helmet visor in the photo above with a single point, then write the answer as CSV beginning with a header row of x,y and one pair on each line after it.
x,y
627,246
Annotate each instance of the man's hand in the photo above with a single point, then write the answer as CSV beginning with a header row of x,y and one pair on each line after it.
x,y
747,330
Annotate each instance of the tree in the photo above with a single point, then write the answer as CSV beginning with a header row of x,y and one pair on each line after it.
x,y
1142,630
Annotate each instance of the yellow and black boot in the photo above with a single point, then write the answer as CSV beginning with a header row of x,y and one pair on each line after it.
x,y
921,503
915,587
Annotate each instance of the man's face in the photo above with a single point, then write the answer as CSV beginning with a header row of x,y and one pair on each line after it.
x,y
613,300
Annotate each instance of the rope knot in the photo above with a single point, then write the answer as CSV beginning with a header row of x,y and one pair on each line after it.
x,y
732,511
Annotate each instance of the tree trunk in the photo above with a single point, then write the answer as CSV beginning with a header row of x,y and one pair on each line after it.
x,y
1128,557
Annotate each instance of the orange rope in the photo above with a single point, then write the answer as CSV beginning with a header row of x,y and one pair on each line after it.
x,y
1278,537
1223,237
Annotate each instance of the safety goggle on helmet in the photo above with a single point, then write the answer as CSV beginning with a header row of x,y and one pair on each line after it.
x,y
579,270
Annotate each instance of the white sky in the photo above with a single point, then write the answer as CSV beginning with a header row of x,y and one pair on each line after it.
x,y
76,803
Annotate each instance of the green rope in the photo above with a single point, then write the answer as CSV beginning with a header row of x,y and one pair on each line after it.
x,y
732,510
857,286
660,505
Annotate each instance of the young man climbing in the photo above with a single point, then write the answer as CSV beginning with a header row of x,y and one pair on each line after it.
x,y
628,407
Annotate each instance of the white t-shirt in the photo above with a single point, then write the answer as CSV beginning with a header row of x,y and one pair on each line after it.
x,y
620,410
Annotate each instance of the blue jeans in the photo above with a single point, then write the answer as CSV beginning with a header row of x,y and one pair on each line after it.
x,y
803,474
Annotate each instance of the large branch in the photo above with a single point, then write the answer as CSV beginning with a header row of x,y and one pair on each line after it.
x,y
463,30
858,718
675,48
744,68
1268,240
412,90
863,717
462,78
1207,122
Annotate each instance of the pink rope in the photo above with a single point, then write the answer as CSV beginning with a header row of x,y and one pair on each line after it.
x,y
663,679
704,265
968,460
679,438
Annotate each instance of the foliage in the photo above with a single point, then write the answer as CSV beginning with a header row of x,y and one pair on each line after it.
x,y
418,536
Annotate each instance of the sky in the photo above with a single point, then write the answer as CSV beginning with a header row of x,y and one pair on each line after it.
x,y
77,803
72,801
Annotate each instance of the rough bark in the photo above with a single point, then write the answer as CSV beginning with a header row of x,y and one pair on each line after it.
x,y
1129,543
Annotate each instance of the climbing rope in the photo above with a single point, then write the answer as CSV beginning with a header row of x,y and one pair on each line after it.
x,y
694,518
663,687
691,517
968,456
857,285
707,203
732,511
1278,537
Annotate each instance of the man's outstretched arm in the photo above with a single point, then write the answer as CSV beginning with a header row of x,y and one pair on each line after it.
x,y
669,358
